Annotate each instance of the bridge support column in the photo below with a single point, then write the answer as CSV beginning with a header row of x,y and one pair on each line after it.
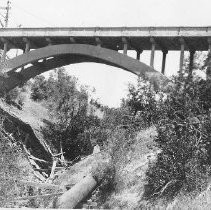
x,y
3,58
208,72
125,45
182,51
152,52
27,46
5,52
98,41
138,53
164,62
49,41
125,49
192,52
72,40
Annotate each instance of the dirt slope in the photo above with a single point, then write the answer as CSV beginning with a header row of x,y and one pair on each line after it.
x,y
130,174
22,129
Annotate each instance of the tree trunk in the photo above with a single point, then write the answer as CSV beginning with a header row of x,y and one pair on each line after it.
x,y
71,198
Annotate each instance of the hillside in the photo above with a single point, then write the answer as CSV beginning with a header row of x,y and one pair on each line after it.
x,y
130,169
129,179
157,145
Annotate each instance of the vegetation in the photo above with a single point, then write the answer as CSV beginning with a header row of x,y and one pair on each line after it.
x,y
73,127
11,172
182,120
181,117
16,97
184,140
68,111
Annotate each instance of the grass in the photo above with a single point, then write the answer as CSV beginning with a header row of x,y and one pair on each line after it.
x,y
131,162
201,200
131,156
32,112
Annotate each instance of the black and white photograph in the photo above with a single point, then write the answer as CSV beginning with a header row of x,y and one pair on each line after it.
x,y
105,104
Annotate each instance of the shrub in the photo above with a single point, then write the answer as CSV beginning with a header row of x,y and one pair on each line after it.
x,y
39,88
16,97
144,102
9,162
70,123
182,119
184,139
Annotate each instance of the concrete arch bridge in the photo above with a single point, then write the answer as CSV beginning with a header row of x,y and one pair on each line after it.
x,y
48,48
20,69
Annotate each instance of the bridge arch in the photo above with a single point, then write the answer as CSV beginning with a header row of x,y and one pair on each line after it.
x,y
18,70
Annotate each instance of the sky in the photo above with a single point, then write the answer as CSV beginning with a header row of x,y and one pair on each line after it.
x,y
111,83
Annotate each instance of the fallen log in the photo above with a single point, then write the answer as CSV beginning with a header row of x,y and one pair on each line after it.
x,y
71,198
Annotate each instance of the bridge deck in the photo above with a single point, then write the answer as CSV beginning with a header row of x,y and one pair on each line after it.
x,y
167,38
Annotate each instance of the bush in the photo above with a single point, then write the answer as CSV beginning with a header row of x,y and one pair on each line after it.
x,y
39,88
184,139
183,122
70,123
143,102
9,162
16,97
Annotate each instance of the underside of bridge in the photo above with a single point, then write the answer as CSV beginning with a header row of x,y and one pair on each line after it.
x,y
18,70
48,48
